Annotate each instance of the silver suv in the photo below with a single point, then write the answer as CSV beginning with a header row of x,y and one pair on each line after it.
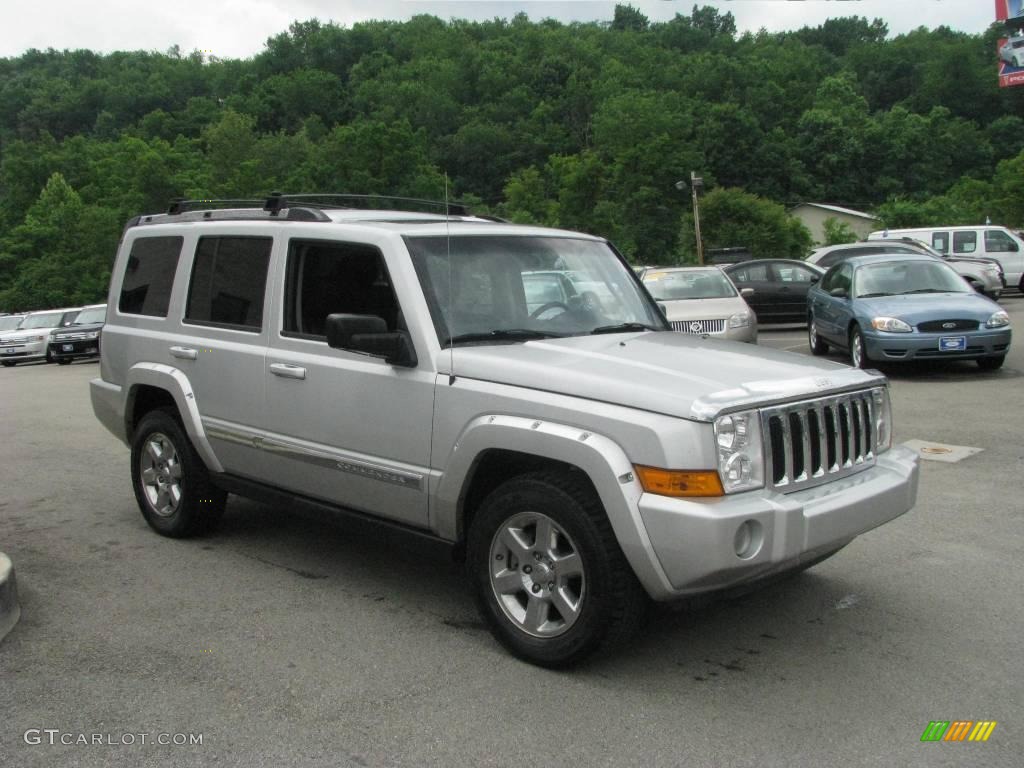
x,y
579,456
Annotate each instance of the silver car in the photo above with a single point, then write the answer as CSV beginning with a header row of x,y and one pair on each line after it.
x,y
703,301
31,340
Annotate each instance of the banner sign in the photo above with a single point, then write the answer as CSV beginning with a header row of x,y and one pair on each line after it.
x,y
1011,48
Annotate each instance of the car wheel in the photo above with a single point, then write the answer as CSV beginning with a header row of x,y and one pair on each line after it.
x,y
9,363
547,572
991,363
858,354
63,361
171,483
818,347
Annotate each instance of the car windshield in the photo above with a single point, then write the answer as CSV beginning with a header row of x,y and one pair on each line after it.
x,y
689,284
10,323
91,316
489,288
46,320
893,278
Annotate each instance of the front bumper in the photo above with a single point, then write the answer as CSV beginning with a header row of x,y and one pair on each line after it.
x,y
23,351
925,346
695,540
61,349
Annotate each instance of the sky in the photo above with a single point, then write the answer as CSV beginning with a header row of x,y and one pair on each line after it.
x,y
239,28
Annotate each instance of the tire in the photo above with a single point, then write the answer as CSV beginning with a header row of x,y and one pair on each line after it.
x,y
542,615
991,363
171,483
818,347
858,354
63,361
9,363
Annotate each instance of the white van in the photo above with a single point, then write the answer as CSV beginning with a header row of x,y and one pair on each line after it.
x,y
999,243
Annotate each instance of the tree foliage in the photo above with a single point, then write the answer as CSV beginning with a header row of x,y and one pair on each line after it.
x,y
580,125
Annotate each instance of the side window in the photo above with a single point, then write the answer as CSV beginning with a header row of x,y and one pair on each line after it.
x,y
753,273
149,275
965,242
793,274
828,281
229,279
324,278
837,277
998,242
940,241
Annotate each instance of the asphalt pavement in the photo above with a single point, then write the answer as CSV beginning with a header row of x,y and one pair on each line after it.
x,y
281,641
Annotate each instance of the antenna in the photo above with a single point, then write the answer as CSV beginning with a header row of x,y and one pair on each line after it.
x,y
451,295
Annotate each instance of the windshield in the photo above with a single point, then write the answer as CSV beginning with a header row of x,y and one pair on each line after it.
x,y
689,284
517,288
91,316
10,323
47,320
892,278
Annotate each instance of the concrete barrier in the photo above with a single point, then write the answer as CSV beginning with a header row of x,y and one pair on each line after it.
x,y
10,610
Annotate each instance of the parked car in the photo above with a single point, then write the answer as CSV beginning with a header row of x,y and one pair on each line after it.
x,y
702,301
385,364
895,307
81,338
991,242
31,339
1012,51
984,275
779,287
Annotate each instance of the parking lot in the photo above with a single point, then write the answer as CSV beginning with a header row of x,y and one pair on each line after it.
x,y
288,641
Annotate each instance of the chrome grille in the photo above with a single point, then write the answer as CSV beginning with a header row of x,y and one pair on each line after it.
x,y
817,441
946,326
699,326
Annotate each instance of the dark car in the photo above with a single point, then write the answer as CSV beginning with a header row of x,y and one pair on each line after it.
x,y
904,307
81,338
780,287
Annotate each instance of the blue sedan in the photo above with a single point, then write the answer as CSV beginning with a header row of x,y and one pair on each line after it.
x,y
902,307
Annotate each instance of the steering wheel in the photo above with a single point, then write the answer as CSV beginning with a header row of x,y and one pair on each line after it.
x,y
545,307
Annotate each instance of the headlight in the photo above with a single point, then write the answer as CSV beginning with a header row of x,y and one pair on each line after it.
x,y
890,324
740,455
883,419
40,338
739,320
92,335
998,319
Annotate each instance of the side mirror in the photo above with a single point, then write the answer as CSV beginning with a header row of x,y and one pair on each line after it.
x,y
663,309
839,293
815,278
369,333
744,292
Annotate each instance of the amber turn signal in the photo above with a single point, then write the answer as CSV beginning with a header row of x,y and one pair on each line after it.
x,y
675,482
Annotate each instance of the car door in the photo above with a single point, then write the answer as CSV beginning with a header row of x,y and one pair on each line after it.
x,y
758,276
793,281
344,426
830,312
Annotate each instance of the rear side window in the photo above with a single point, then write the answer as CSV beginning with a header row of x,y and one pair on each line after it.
x,y
965,242
998,242
229,280
754,273
940,241
149,275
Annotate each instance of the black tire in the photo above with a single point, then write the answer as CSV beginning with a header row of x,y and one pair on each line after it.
x,y
611,603
9,363
991,363
858,353
814,341
63,361
200,504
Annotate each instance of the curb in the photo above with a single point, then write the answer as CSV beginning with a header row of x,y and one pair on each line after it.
x,y
10,610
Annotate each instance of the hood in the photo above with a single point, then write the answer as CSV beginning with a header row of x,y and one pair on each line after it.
x,y
672,373
10,337
703,309
919,307
72,331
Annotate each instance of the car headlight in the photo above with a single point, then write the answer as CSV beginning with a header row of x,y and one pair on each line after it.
x,y
40,338
740,453
998,319
740,320
883,419
890,324
92,335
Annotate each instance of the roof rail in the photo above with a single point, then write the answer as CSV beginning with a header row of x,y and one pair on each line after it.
x,y
276,201
181,205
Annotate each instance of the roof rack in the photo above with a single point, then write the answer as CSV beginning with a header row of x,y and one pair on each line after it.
x,y
277,201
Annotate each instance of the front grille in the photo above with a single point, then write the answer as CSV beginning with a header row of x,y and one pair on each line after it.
x,y
940,326
699,326
817,441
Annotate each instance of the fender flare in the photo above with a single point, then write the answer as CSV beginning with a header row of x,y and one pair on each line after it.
x,y
604,462
176,384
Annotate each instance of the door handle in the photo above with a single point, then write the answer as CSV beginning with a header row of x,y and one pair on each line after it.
x,y
288,371
184,353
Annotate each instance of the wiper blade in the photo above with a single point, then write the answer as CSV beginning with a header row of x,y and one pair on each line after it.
x,y
624,328
924,290
504,334
872,295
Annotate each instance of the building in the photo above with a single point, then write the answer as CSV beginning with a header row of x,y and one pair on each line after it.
x,y
813,216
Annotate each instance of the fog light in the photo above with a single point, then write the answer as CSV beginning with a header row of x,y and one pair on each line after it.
x,y
748,540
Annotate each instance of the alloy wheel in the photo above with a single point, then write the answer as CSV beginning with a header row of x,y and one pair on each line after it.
x,y
161,474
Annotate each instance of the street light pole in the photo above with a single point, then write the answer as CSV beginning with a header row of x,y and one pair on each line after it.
x,y
697,183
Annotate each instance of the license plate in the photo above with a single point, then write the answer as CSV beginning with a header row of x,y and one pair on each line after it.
x,y
68,347
8,351
952,343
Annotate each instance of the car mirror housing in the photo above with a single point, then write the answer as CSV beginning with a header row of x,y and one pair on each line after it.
x,y
839,293
744,292
369,334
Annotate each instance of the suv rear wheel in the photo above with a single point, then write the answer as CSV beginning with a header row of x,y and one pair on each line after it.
x,y
547,572
171,483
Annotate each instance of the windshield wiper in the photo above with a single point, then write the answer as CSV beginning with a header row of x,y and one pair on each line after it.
x,y
504,334
925,290
872,295
624,328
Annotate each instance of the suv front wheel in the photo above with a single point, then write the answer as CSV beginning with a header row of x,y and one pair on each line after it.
x,y
547,572
171,483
